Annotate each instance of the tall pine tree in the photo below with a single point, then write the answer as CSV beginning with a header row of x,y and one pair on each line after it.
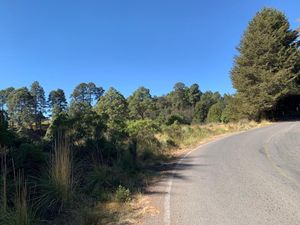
x,y
268,66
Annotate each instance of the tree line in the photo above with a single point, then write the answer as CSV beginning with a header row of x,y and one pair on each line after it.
x,y
26,108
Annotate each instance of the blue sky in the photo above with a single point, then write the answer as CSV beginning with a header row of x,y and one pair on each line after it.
x,y
125,43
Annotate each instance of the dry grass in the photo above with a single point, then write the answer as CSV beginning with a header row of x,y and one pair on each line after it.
x,y
19,212
186,137
23,214
130,213
61,170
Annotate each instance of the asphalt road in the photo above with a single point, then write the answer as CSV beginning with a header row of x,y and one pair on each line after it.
x,y
251,178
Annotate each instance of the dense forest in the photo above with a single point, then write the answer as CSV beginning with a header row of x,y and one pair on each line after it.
x,y
60,157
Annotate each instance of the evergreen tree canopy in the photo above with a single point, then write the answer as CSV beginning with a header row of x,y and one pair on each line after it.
x,y
39,102
179,96
4,96
194,94
21,108
57,101
87,93
113,106
268,65
202,107
140,103
215,113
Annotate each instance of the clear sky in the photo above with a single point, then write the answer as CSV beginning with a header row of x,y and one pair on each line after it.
x,y
125,43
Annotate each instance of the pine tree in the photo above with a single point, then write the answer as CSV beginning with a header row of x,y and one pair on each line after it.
x,y
21,108
57,101
39,103
268,66
87,93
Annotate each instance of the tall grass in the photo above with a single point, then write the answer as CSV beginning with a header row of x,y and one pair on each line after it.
x,y
56,189
61,169
20,211
3,195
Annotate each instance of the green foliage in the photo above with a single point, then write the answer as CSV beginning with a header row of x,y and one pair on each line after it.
x,y
215,113
175,119
61,122
87,125
268,65
202,107
179,96
57,101
174,134
39,103
231,112
6,137
87,93
142,128
122,194
114,108
143,140
163,108
20,108
57,188
140,104
18,211
194,94
4,97
29,158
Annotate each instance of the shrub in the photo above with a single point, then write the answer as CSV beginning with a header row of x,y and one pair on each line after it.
x,y
122,194
29,158
175,119
215,113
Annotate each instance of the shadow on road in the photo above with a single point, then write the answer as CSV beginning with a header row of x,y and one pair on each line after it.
x,y
172,169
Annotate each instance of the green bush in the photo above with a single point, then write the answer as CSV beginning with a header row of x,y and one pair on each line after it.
x,y
215,113
29,158
175,119
122,194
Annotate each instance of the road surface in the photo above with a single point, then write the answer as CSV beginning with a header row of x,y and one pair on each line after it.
x,y
251,178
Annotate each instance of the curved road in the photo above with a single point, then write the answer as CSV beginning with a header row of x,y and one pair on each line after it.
x,y
251,178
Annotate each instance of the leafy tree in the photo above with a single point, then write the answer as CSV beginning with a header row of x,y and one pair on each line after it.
x,y
194,94
202,107
231,109
57,101
268,65
87,93
4,96
179,96
162,108
215,113
113,106
39,103
140,104
20,108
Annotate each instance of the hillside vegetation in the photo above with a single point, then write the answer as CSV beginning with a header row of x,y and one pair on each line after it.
x,y
62,163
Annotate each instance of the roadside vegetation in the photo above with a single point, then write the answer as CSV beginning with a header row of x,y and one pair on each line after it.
x,y
82,162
